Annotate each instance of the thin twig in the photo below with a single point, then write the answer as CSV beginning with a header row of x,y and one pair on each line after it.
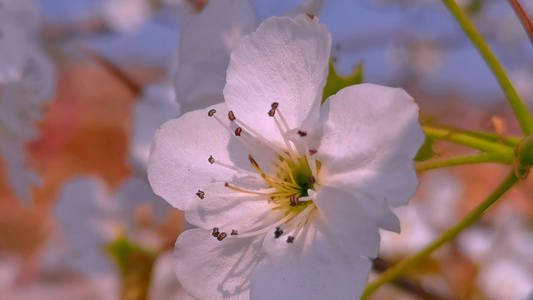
x,y
128,82
409,286
524,18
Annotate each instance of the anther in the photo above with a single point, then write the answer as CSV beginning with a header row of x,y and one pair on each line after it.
x,y
271,112
238,131
234,232
200,194
211,159
278,232
312,179
290,239
294,200
312,17
231,116
274,105
222,236
312,151
302,133
211,112
215,233
252,160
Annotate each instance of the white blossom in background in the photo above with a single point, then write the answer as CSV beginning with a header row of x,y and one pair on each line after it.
x,y
157,105
288,195
207,40
27,82
126,15
503,255
91,217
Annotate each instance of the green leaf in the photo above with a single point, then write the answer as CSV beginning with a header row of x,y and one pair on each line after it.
x,y
336,83
426,151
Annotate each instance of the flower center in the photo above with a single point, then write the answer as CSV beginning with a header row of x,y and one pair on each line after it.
x,y
293,172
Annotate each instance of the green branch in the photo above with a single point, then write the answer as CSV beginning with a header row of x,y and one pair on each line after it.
x,y
408,263
466,140
521,112
464,160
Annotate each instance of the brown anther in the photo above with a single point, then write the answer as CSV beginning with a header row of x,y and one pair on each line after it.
x,y
271,112
312,17
312,151
290,239
200,194
222,236
238,131
211,159
234,232
312,179
278,232
274,105
294,200
302,133
252,161
231,116
226,184
215,233
211,112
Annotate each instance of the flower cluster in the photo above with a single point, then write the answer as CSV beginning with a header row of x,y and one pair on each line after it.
x,y
27,81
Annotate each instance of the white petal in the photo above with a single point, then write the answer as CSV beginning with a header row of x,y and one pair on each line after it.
x,y
319,271
284,61
204,48
178,164
371,136
346,221
212,269
84,208
222,205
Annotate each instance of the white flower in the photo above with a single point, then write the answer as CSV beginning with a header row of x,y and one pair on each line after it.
x,y
288,195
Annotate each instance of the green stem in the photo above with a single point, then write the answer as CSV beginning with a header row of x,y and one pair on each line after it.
x,y
408,263
464,160
521,112
466,140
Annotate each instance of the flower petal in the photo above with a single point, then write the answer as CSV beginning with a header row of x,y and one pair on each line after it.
x,y
284,61
212,269
319,271
371,136
178,163
204,49
221,205
346,221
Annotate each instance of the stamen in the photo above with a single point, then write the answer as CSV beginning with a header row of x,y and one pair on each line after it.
x,y
234,232
272,112
266,192
312,151
231,116
293,200
237,169
274,105
211,112
290,239
238,131
211,159
269,179
302,133
222,236
266,229
215,233
200,194
261,138
278,232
